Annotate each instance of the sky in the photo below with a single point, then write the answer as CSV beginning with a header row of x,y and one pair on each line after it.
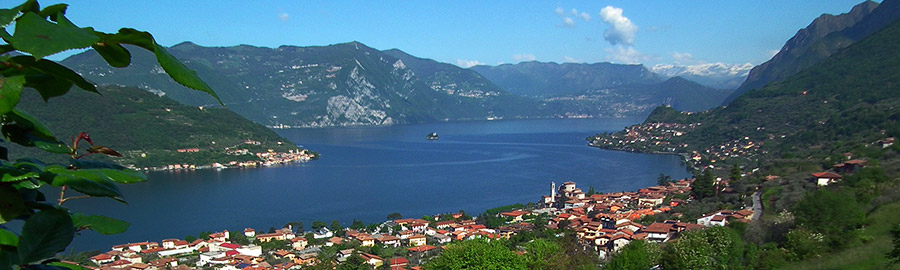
x,y
467,33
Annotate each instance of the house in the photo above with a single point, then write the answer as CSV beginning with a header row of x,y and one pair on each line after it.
x,y
334,241
344,254
417,240
249,232
267,237
441,239
372,260
399,263
825,178
306,258
367,241
164,263
716,219
517,216
102,259
284,254
299,243
887,142
389,240
251,250
658,232
324,232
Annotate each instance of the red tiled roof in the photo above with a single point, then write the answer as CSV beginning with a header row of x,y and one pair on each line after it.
x,y
230,245
826,175
421,248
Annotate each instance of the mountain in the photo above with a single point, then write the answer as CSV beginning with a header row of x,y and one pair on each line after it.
x,y
601,89
539,79
135,122
337,85
847,99
715,75
826,35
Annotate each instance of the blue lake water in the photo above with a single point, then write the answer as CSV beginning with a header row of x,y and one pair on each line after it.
x,y
367,173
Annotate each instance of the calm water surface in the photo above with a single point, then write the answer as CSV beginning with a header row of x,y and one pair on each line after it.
x,y
367,173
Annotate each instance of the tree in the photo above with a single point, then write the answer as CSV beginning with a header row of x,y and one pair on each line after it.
x,y
637,255
476,254
663,180
300,227
894,254
735,174
394,216
336,227
590,192
48,226
835,214
318,224
238,238
703,186
540,253
713,248
357,225
190,238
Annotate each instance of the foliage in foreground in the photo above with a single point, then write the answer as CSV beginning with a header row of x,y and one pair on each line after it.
x,y
48,227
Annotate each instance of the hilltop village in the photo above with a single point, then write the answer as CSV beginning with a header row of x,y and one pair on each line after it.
x,y
603,223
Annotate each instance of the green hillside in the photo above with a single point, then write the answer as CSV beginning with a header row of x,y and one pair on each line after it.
x,y
136,122
846,107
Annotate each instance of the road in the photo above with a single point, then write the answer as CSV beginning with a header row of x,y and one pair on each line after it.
x,y
757,206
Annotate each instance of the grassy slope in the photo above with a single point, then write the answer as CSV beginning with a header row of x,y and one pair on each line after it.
x,y
133,121
864,256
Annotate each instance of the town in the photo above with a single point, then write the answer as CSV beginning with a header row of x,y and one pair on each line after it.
x,y
242,155
602,222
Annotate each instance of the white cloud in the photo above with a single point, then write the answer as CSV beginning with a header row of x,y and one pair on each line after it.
x,y
467,63
626,55
585,16
568,22
568,59
559,11
682,57
620,30
574,12
524,57
284,17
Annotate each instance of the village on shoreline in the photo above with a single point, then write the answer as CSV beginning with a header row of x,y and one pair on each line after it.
x,y
602,222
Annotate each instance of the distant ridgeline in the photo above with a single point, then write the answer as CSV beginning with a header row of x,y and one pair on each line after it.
x,y
825,36
153,131
849,100
351,84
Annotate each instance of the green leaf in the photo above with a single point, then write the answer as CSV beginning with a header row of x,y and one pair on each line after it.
x,y
45,234
8,238
53,11
89,182
21,128
100,224
30,6
181,73
124,176
8,15
11,204
8,259
55,70
41,38
15,176
114,54
177,70
10,90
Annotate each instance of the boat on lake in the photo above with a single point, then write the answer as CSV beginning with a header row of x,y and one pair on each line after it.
x,y
432,137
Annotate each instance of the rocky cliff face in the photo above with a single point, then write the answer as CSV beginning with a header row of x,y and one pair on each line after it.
x,y
339,85
826,35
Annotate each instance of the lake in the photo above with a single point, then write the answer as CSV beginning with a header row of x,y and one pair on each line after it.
x,y
367,173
